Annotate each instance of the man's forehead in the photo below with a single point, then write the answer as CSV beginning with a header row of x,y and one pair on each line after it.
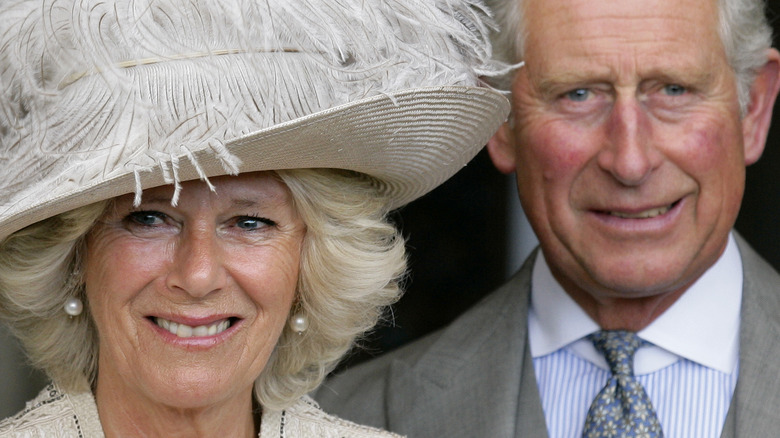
x,y
588,22
618,33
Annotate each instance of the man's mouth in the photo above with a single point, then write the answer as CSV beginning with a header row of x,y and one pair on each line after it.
x,y
186,331
646,214
643,214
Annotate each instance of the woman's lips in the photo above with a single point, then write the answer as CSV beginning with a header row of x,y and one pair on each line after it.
x,y
182,330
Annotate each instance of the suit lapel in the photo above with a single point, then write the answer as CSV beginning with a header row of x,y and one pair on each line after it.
x,y
755,407
530,416
476,378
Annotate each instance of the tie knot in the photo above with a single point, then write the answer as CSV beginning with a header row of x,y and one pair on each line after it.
x,y
618,348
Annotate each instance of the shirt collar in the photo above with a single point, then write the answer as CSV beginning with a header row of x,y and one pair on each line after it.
x,y
701,326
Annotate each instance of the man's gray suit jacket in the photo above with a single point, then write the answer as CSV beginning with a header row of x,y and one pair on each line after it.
x,y
475,378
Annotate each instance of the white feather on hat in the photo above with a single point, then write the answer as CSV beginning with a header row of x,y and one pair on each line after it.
x,y
100,98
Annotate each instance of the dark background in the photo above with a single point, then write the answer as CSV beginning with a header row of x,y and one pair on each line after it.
x,y
459,249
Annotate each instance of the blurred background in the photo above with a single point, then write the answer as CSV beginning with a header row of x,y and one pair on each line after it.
x,y
464,239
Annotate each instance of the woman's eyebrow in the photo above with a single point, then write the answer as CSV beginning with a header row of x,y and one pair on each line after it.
x,y
155,200
244,202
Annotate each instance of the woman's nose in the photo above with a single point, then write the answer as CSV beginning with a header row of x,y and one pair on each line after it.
x,y
197,267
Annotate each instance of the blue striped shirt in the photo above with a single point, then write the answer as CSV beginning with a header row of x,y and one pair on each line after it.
x,y
689,372
691,400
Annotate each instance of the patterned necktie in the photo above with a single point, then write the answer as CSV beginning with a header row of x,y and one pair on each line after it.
x,y
622,408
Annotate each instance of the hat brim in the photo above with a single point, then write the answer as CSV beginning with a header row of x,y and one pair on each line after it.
x,y
410,141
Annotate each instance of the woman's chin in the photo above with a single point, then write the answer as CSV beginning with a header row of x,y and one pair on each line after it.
x,y
189,389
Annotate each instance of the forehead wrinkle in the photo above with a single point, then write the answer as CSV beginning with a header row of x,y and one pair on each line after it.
x,y
259,198
555,22
566,11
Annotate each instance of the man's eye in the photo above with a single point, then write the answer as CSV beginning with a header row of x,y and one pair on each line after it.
x,y
674,90
147,218
578,95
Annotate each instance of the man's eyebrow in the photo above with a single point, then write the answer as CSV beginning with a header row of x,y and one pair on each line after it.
x,y
567,73
697,77
558,82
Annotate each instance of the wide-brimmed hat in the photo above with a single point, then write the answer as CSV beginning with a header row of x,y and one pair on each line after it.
x,y
103,98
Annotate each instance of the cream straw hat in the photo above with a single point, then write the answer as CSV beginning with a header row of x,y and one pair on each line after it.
x,y
100,98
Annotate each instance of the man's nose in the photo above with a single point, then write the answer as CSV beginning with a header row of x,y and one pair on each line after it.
x,y
629,154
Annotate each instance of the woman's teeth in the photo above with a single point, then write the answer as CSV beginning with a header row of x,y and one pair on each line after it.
x,y
653,212
185,331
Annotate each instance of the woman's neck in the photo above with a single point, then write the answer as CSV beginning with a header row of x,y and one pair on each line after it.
x,y
131,414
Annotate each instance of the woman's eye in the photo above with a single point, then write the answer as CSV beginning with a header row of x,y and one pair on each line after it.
x,y
578,95
147,218
252,223
674,90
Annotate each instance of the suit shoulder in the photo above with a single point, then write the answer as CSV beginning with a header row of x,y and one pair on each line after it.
x,y
364,385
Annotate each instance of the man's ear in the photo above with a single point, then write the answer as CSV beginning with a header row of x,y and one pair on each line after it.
x,y
755,123
501,148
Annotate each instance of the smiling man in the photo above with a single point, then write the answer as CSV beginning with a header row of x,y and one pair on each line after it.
x,y
643,313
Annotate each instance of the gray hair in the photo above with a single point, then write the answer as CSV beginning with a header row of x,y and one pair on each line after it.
x,y
744,31
352,262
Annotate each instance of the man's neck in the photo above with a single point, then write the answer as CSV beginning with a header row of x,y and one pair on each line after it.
x,y
613,310
631,314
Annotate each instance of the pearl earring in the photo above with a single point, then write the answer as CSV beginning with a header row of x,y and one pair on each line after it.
x,y
73,306
299,323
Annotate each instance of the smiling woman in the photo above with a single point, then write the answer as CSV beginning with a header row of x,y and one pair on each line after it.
x,y
195,227
159,277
